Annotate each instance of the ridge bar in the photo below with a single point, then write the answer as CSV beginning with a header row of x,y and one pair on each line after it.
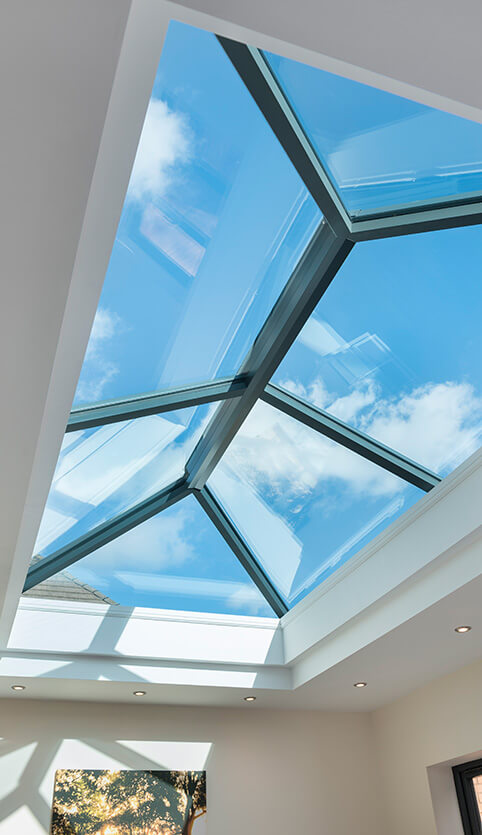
x,y
311,277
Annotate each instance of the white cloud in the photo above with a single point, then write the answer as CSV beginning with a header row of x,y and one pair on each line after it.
x,y
164,142
293,460
347,408
158,544
97,370
437,425
104,327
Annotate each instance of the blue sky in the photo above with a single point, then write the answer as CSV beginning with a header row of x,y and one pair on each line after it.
x,y
382,150
214,221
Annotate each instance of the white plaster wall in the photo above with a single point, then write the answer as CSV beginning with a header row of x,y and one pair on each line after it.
x,y
268,771
435,724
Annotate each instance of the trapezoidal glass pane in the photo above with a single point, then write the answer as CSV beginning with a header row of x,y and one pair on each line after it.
x,y
214,221
104,471
304,504
381,151
176,560
394,347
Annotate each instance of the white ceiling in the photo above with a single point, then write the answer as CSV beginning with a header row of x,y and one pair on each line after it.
x,y
433,45
74,85
420,650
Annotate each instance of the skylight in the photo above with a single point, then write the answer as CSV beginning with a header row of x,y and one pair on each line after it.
x,y
382,152
258,401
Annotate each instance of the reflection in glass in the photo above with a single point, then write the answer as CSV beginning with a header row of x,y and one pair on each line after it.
x,y
214,221
304,504
394,347
102,472
176,560
382,151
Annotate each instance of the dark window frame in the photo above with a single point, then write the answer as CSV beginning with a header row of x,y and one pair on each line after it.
x,y
467,800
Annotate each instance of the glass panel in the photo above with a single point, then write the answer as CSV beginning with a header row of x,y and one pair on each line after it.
x,y
176,560
214,222
102,472
394,347
380,150
304,504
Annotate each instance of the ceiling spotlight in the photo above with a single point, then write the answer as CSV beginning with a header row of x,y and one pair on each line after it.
x,y
462,629
360,684
250,698
139,693
18,687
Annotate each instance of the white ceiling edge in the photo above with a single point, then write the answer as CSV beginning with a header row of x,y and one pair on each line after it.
x,y
75,666
346,68
447,517
57,627
418,50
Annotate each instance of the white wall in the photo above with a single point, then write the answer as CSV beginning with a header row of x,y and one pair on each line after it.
x,y
436,723
278,772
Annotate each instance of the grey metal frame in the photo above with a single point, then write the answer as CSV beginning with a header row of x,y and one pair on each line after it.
x,y
105,532
115,411
311,277
231,535
351,438
257,75
328,248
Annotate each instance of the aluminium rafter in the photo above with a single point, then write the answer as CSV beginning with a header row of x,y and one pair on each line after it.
x,y
262,83
258,77
233,538
114,411
351,438
105,532
311,277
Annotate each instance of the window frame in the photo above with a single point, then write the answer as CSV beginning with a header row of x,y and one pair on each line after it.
x,y
469,811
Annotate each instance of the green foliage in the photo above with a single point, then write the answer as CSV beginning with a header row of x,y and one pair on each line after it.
x,y
127,802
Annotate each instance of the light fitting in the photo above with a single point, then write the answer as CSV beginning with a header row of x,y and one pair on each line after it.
x,y
18,687
360,684
462,629
250,698
139,693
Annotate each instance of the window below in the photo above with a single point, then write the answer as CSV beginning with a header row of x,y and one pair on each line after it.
x,y
468,784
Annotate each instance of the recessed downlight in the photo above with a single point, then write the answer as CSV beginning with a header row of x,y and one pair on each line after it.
x,y
360,684
462,629
250,698
18,687
139,693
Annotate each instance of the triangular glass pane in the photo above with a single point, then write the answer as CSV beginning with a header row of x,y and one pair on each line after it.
x,y
104,471
394,347
304,504
176,560
381,151
214,221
